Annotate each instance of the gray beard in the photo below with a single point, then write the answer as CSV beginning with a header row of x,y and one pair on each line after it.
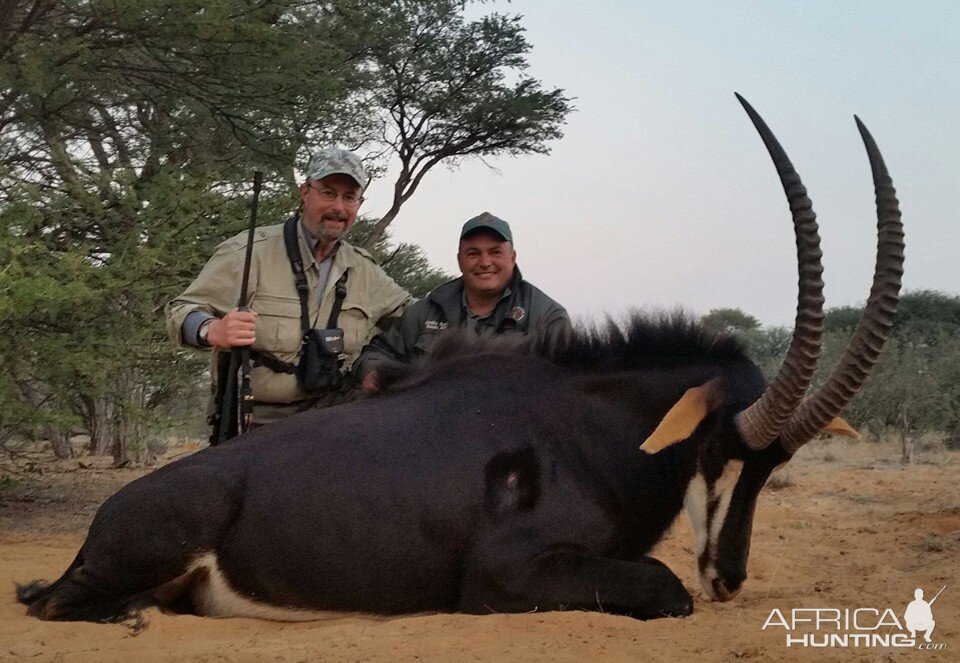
x,y
326,236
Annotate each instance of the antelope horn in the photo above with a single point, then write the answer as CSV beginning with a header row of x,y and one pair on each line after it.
x,y
875,324
760,423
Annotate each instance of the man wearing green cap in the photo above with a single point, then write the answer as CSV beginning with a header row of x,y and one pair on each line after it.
x,y
490,295
205,315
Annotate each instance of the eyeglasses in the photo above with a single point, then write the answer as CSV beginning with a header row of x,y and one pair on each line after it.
x,y
349,198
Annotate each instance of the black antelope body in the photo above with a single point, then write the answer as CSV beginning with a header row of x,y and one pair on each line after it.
x,y
490,479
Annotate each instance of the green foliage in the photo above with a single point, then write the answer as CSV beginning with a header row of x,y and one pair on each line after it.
x,y
208,81
928,315
768,347
730,320
903,391
128,131
915,385
842,318
405,263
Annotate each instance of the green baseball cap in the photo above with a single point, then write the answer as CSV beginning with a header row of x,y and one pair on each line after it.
x,y
332,160
490,222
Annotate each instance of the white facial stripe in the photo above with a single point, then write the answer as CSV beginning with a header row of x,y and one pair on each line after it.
x,y
723,491
696,499
695,502
214,597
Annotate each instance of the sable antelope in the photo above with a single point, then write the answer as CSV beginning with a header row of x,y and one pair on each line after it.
x,y
488,479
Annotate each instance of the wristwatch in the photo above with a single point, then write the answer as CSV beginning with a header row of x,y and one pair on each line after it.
x,y
203,332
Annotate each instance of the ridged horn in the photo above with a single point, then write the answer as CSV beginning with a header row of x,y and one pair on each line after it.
x,y
875,324
760,423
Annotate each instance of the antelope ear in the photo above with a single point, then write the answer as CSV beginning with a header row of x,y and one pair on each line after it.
x,y
684,417
840,427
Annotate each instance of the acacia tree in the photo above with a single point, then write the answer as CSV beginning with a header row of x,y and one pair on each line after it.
x,y
446,89
127,131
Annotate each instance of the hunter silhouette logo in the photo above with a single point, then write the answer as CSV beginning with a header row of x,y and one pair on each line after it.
x,y
859,627
919,616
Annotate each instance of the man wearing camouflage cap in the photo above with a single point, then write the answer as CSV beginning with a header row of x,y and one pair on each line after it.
x,y
491,295
205,314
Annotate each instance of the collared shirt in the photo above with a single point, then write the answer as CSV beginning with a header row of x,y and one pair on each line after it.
x,y
323,267
372,298
474,318
195,320
522,308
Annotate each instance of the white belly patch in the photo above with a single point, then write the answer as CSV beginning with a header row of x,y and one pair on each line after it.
x,y
214,597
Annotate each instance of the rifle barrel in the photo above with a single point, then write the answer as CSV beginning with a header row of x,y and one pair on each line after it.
x,y
938,595
257,182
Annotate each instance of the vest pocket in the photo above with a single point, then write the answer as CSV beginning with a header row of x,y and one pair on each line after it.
x,y
278,325
358,326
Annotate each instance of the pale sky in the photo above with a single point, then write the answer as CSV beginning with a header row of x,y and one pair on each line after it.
x,y
661,193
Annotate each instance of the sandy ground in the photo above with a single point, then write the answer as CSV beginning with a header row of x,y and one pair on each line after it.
x,y
850,528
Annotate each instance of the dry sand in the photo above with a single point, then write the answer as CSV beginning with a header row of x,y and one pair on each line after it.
x,y
850,529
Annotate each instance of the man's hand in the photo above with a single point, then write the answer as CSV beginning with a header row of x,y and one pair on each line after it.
x,y
236,328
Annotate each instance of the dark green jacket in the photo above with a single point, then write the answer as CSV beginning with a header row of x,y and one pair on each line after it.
x,y
523,309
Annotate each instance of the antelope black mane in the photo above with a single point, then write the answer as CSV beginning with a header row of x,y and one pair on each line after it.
x,y
644,341
662,340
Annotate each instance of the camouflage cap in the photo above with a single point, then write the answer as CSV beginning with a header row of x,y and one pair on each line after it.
x,y
490,222
331,160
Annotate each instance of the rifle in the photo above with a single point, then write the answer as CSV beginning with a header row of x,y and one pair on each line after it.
x,y
233,402
937,596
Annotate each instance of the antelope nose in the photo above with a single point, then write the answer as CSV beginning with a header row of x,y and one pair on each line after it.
x,y
723,592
